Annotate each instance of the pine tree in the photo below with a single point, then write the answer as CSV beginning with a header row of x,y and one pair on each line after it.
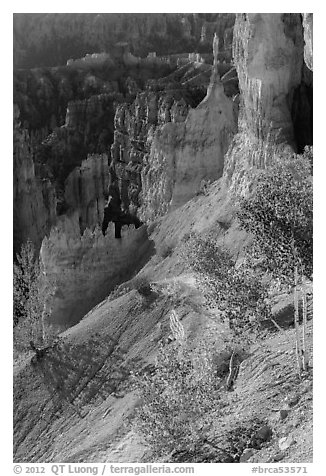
x,y
31,292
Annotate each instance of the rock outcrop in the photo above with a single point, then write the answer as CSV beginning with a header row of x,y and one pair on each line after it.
x,y
223,28
86,267
183,155
88,130
34,198
85,191
268,55
135,126
308,38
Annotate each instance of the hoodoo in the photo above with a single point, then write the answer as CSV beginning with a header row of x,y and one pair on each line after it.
x,y
163,295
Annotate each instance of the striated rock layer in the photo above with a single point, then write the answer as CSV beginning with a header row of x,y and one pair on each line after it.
x,y
268,55
86,268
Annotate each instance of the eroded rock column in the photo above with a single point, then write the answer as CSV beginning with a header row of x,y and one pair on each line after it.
x,y
268,55
184,154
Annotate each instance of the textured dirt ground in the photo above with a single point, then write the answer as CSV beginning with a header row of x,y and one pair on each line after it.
x,y
96,427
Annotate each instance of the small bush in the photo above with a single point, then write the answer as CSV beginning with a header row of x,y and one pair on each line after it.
x,y
165,250
236,440
279,215
151,227
119,291
204,187
238,291
143,286
179,400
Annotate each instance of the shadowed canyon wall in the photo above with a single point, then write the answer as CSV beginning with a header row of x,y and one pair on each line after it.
x,y
34,206
86,267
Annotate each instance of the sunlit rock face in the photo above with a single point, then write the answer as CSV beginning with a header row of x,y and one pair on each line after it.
x,y
86,267
135,126
183,155
85,190
268,55
308,38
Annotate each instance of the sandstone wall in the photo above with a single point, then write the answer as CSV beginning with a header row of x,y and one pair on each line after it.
x,y
34,208
135,126
86,268
268,55
183,155
85,190
308,38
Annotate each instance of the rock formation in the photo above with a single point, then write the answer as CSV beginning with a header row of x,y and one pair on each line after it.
x,y
86,267
135,126
34,198
88,129
308,38
183,155
85,191
268,55
223,29
75,35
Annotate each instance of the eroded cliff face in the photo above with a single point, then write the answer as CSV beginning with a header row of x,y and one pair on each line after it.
x,y
183,155
268,55
34,199
86,267
85,191
88,129
135,126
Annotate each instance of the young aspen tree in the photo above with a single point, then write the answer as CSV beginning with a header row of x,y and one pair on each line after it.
x,y
279,216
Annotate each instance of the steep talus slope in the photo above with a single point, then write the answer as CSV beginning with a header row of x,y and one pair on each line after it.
x,y
85,371
88,369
